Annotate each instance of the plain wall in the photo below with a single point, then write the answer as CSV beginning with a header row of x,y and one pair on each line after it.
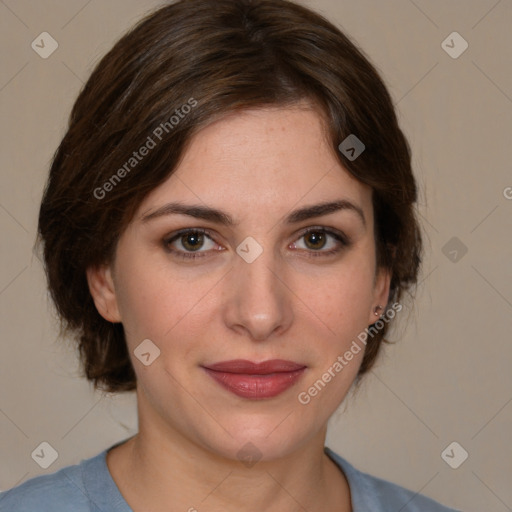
x,y
448,376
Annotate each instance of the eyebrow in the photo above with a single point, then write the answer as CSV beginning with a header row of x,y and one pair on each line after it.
x,y
220,217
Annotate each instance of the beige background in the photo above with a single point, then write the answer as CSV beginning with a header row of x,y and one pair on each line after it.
x,y
448,379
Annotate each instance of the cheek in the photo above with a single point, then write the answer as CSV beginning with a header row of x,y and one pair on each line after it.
x,y
343,313
156,303
343,299
141,296
345,310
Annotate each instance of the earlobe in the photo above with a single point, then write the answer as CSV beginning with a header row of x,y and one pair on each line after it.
x,y
102,289
381,294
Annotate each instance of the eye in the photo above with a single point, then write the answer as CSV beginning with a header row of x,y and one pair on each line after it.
x,y
316,241
191,240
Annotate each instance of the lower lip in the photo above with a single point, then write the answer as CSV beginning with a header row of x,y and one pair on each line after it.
x,y
256,386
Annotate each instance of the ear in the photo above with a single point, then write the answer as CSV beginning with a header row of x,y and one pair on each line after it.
x,y
380,293
101,286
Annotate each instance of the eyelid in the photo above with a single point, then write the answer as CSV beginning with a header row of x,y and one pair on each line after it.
x,y
329,231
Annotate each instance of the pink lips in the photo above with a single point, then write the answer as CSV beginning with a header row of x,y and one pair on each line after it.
x,y
256,380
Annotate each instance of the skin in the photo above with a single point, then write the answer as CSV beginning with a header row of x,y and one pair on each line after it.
x,y
257,166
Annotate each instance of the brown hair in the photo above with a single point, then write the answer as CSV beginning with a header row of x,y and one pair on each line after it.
x,y
217,56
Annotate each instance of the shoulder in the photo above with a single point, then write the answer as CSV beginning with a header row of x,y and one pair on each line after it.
x,y
62,490
371,493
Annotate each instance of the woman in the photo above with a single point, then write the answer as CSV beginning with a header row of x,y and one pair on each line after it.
x,y
228,229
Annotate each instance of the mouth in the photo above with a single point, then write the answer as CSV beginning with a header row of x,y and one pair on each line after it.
x,y
252,380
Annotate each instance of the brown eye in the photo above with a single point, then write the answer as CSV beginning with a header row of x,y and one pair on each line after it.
x,y
192,241
322,242
189,243
315,240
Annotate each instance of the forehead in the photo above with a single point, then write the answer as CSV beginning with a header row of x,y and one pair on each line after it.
x,y
260,162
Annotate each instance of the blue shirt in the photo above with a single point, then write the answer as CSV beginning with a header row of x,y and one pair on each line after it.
x,y
89,487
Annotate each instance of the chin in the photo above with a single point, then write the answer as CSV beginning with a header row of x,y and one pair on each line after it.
x,y
256,438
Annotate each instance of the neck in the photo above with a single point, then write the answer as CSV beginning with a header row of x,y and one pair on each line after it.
x,y
160,469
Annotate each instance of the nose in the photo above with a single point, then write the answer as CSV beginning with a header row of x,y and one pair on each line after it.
x,y
259,303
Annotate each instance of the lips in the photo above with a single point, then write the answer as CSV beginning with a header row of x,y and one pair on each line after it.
x,y
250,368
252,380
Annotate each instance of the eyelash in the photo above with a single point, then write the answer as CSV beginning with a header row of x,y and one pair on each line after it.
x,y
342,239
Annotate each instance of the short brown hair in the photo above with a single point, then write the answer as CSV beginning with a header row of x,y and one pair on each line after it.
x,y
226,56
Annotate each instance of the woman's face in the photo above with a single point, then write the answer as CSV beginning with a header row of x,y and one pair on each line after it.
x,y
259,289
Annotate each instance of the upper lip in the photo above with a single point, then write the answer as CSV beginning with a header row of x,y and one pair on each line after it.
x,y
251,368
